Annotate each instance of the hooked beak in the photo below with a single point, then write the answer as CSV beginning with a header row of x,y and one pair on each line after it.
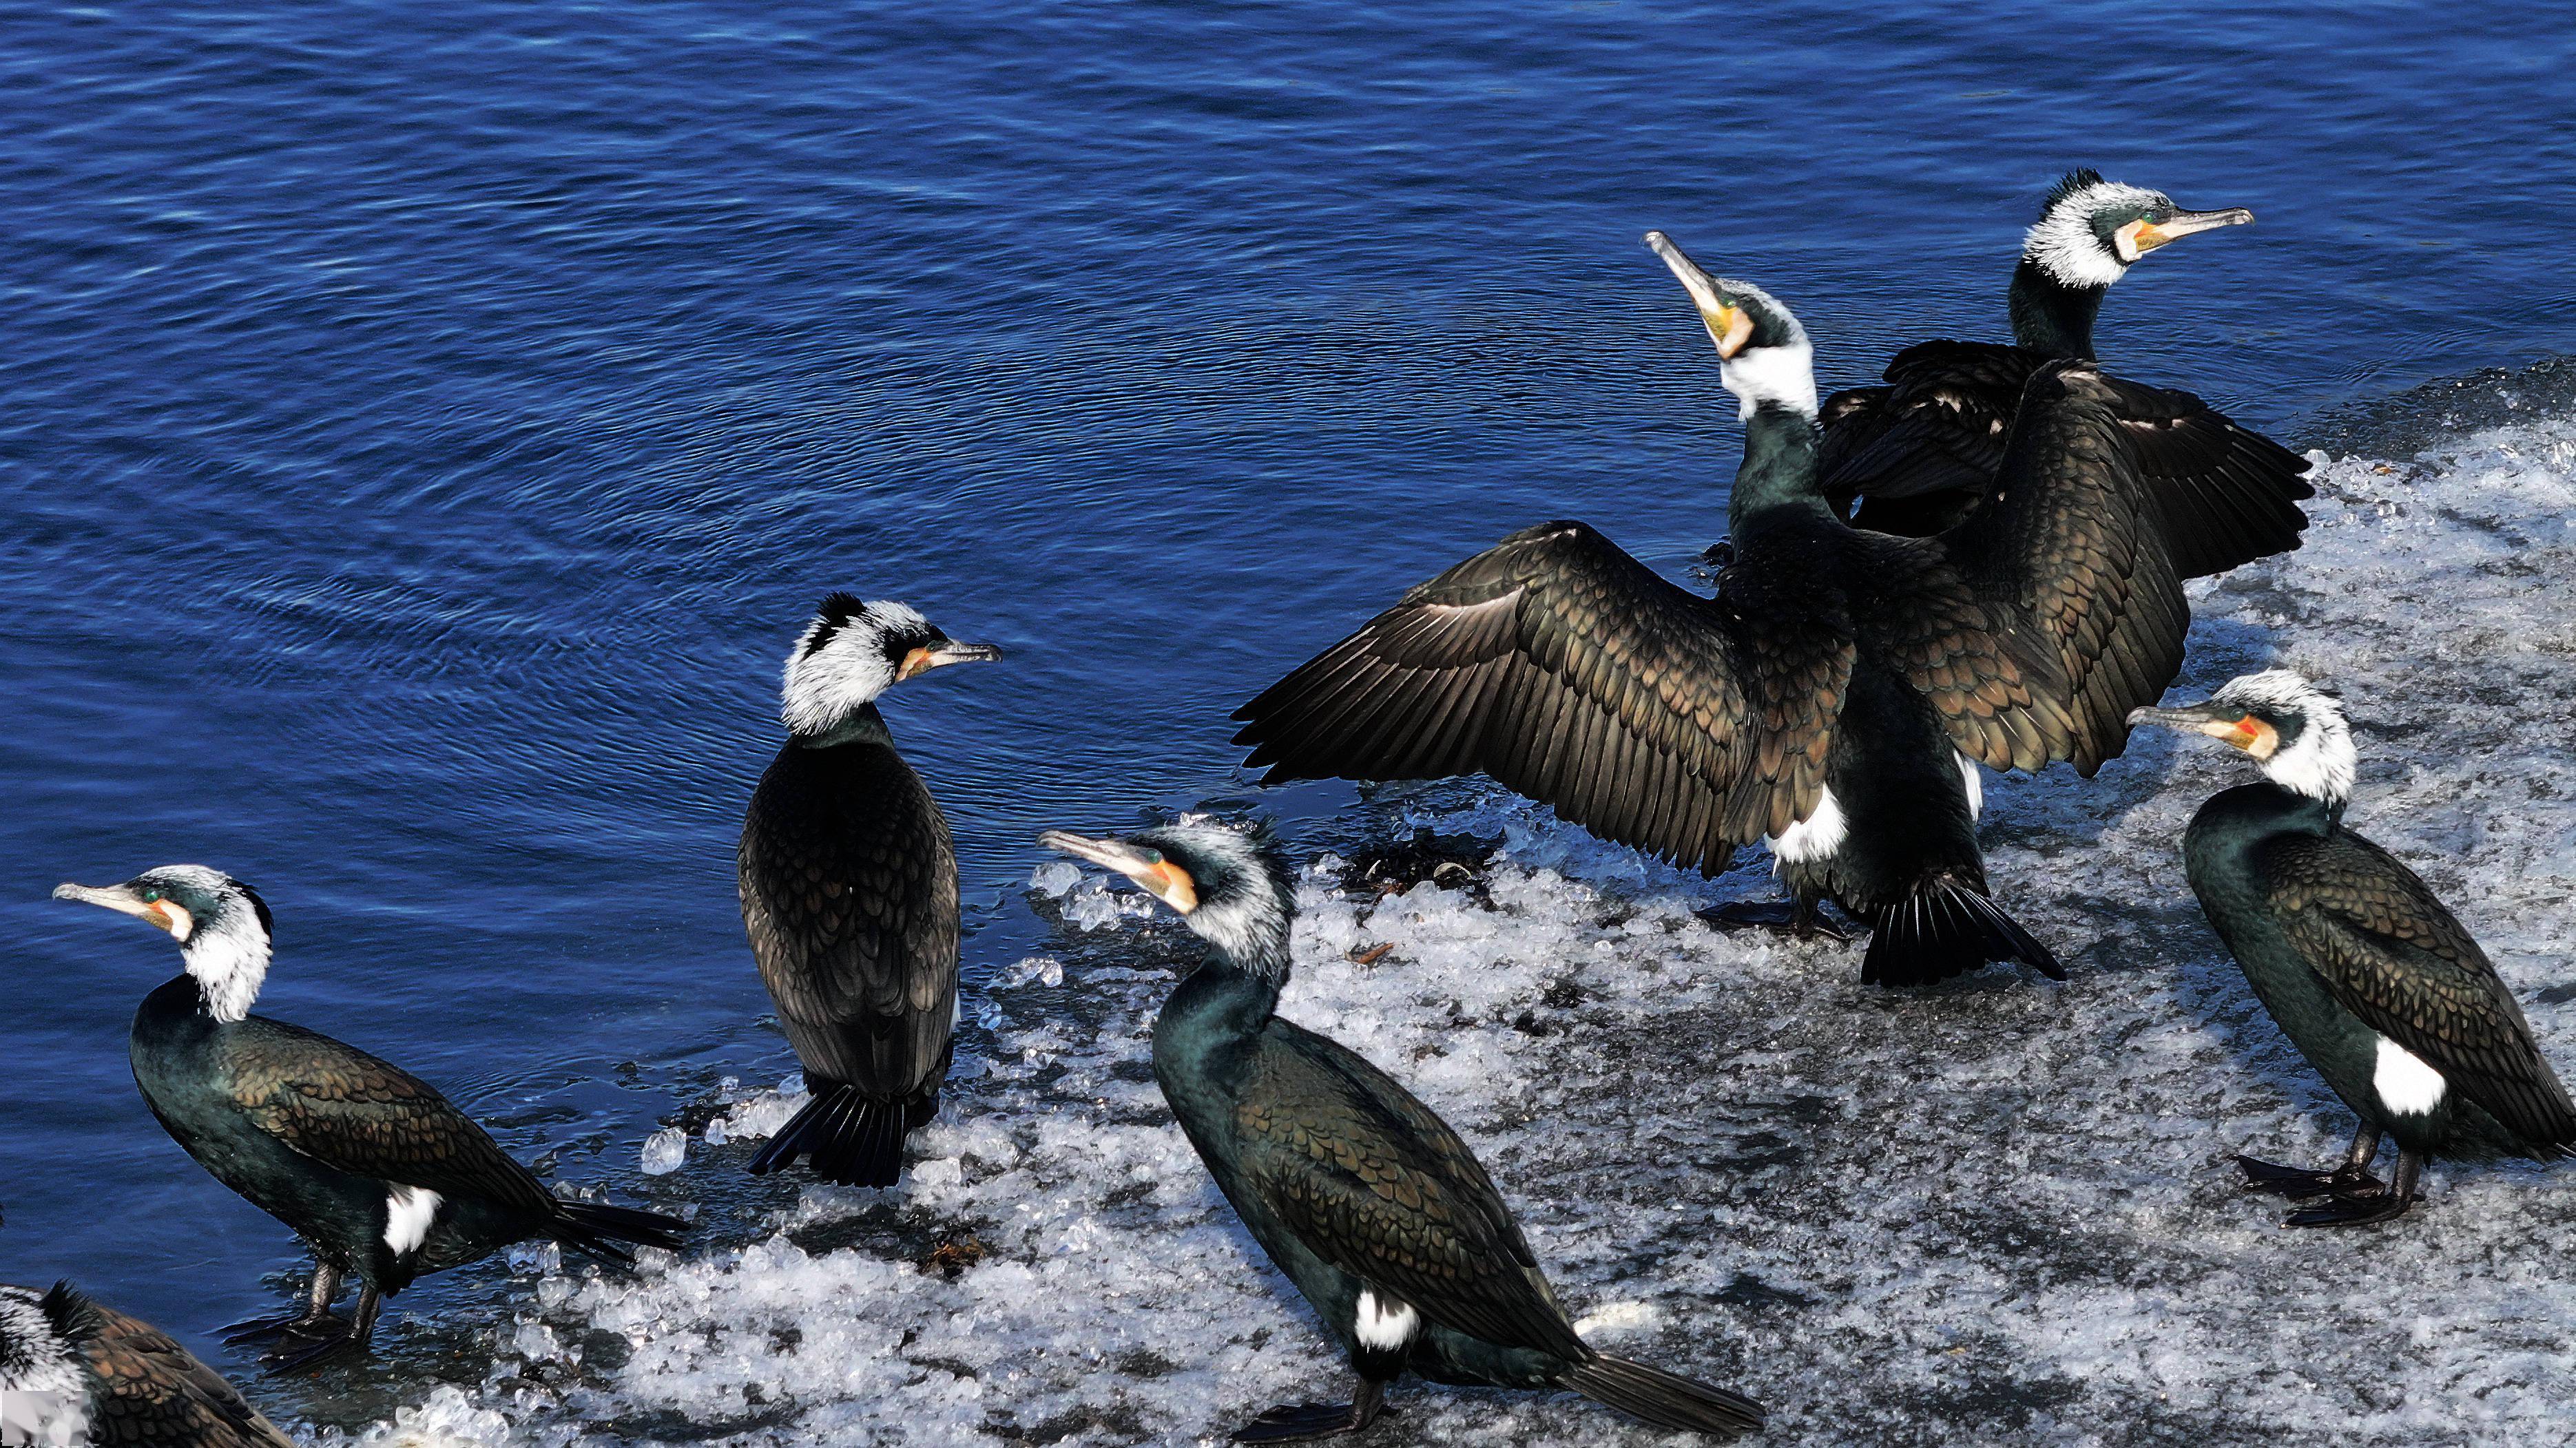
x,y
940,655
1159,877
2140,237
1729,325
123,901
2230,727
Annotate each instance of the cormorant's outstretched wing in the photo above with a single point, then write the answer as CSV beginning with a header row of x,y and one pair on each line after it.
x,y
149,1389
354,1113
1572,673
1370,1180
849,895
1993,677
2392,955
2073,542
1924,452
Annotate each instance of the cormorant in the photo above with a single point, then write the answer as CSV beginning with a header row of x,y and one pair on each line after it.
x,y
75,1371
1922,451
849,894
1835,696
377,1172
2367,974
1364,1198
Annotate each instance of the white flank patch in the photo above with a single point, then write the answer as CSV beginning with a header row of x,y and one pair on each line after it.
x,y
1377,1327
408,1213
2404,1082
1785,375
1816,836
1975,784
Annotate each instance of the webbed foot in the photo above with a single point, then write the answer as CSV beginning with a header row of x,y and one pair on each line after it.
x,y
297,1351
1298,1422
1786,917
2299,1185
2356,1209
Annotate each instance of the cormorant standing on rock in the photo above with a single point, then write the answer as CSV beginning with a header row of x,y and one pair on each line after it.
x,y
1363,1197
85,1373
2366,973
1835,698
849,895
1922,451
377,1172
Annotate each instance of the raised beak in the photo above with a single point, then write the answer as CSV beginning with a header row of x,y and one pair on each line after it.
x,y
1728,324
1160,878
114,897
940,655
2153,234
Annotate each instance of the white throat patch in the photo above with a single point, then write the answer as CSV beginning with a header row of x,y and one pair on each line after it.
x,y
1784,375
2321,763
2063,243
824,686
227,953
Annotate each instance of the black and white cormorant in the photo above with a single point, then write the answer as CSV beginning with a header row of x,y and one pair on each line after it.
x,y
2366,972
1922,450
381,1176
75,1371
1836,696
849,894
1363,1197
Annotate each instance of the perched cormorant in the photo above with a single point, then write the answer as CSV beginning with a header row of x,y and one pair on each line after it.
x,y
1363,1197
75,1371
1835,697
849,894
377,1172
1923,450
2374,982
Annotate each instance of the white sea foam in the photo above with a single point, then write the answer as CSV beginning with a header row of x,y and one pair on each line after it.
x,y
1995,1211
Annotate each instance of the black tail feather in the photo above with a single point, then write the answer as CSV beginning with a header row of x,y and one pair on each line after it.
x,y
848,1137
1664,1399
1947,929
594,1230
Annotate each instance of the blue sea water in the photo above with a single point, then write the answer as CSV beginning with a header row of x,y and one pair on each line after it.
x,y
423,429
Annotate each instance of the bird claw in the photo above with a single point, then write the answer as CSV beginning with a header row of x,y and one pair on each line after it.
x,y
1298,1422
2299,1185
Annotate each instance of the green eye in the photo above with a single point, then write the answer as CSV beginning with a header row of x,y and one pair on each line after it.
x,y
151,896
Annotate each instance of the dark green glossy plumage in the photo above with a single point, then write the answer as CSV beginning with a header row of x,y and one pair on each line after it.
x,y
2345,945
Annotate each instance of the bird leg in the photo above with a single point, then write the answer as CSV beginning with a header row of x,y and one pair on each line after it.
x,y
2361,1207
303,1350
2350,1176
316,1317
1800,918
1296,1422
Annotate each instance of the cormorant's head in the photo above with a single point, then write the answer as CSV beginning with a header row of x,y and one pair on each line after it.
x,y
2292,728
222,926
2092,229
1230,885
37,1356
1763,353
854,651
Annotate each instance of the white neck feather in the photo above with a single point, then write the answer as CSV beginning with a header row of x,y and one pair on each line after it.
x,y
2320,763
33,1359
2063,245
1784,375
228,955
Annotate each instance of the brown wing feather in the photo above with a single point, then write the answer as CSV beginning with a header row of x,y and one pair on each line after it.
x,y
354,1113
849,895
1373,1182
2392,955
1575,675
148,1391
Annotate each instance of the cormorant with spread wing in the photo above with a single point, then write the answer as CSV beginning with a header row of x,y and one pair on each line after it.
x,y
1922,451
382,1177
849,894
1835,696
1359,1193
2368,975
